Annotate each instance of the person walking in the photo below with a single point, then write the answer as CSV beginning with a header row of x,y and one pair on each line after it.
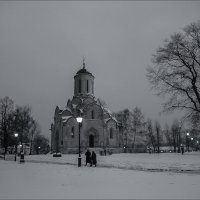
x,y
88,157
94,159
182,149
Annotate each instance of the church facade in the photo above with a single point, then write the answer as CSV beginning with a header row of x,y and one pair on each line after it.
x,y
99,128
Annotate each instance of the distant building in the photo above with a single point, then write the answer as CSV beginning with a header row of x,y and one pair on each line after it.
x,y
99,129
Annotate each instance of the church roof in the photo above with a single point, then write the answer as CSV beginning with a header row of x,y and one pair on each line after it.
x,y
65,118
83,70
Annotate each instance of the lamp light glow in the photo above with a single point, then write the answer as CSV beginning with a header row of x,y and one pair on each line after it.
x,y
16,134
79,119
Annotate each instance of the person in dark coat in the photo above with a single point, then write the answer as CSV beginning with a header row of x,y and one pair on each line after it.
x,y
105,152
88,157
182,149
94,159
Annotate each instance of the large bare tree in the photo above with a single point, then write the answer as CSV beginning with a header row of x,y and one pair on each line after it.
x,y
175,72
6,110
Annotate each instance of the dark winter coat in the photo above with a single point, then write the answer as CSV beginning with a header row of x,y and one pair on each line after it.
x,y
88,156
94,158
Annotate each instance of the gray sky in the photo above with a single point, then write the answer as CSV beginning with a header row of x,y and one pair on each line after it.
x,y
42,45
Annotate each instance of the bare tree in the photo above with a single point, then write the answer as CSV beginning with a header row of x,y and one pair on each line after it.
x,y
24,123
34,130
6,110
40,144
158,130
150,134
124,118
176,70
175,130
168,136
137,125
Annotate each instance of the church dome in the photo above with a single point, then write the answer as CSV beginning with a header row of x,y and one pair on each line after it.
x,y
83,82
83,71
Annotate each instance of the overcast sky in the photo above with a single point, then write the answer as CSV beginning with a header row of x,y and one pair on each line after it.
x,y
42,45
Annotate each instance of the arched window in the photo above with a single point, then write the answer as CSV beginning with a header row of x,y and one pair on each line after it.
x,y
92,114
72,133
111,133
79,88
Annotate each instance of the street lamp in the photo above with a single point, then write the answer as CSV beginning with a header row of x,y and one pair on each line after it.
x,y
38,149
79,120
192,143
16,136
197,145
187,141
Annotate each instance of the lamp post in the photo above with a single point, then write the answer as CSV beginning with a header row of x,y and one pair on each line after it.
x,y
16,136
187,141
39,150
79,120
192,143
197,145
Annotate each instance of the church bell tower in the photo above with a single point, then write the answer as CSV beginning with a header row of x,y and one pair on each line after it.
x,y
83,82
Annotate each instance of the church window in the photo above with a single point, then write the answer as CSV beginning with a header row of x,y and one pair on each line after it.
x,y
111,133
87,86
61,142
92,114
72,133
79,85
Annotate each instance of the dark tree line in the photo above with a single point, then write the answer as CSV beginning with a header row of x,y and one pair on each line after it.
x,y
17,119
138,134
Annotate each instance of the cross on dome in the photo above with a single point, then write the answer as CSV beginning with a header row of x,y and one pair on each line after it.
x,y
83,63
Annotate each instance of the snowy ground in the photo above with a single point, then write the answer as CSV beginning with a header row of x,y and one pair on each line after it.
x,y
173,162
58,181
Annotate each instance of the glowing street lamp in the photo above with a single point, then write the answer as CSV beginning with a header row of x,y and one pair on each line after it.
x,y
192,143
16,136
187,141
79,120
38,151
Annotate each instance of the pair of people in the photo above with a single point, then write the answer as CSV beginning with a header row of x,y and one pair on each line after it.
x,y
90,158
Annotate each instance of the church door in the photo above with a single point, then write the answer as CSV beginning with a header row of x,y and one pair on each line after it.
x,y
91,141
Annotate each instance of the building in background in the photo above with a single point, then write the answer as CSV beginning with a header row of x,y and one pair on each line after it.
x,y
99,130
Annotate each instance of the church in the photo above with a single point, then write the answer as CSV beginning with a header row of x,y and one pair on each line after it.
x,y
99,128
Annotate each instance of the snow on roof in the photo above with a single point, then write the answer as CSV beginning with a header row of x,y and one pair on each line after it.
x,y
114,119
65,118
107,110
68,109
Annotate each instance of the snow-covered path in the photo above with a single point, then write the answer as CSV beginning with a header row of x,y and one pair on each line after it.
x,y
31,181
